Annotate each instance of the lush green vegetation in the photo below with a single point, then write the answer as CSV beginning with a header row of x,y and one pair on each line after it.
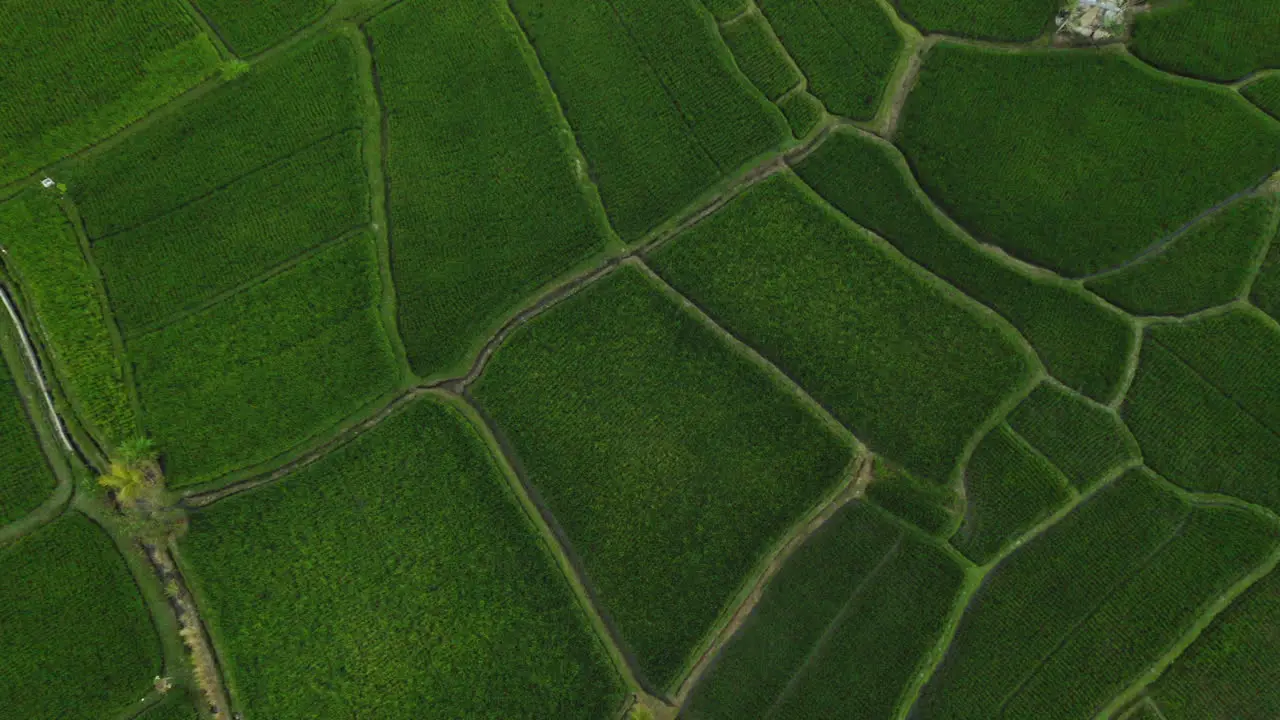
x,y
1233,669
803,111
1010,487
906,366
725,9
1082,343
671,461
77,641
25,475
929,505
1029,150
400,573
1000,20
846,48
480,218
1213,39
249,27
840,631
1205,407
264,369
74,73
42,251
1079,612
655,100
1207,266
1265,93
1084,440
263,116
176,706
1265,293
762,59
178,261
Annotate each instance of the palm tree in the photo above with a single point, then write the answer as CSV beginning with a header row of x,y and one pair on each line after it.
x,y
133,475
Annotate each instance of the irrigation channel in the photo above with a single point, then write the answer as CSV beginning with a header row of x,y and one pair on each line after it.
x,y
29,352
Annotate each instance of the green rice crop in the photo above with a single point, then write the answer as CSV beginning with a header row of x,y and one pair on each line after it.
x,y
1002,20
178,261
803,111
1084,440
1082,342
1265,293
846,48
1145,617
911,369
26,478
1010,488
1197,437
671,461
261,117
259,372
1026,149
840,631
658,107
76,72
396,577
77,641
1207,266
929,505
1038,598
762,59
1213,39
45,256
484,217
1265,93
177,705
1232,670
250,27
726,9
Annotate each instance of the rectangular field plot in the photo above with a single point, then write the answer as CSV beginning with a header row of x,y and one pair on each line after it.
x,y
1215,39
1084,440
1233,669
756,50
77,641
487,194
44,254
840,631
264,369
846,48
1016,147
172,264
1205,405
911,369
76,72
26,478
1076,615
1010,488
271,112
395,578
250,27
997,20
1207,266
1081,342
671,461
658,107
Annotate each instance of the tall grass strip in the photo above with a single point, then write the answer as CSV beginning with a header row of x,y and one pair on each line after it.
x,y
1084,440
1020,148
263,370
910,369
76,640
44,254
75,73
846,48
658,107
1207,266
1081,342
483,217
671,461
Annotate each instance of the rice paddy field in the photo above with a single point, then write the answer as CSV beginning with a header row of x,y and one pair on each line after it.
x,y
639,360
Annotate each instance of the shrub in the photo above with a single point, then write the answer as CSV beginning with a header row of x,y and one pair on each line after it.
x,y
1026,150
662,452
911,369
